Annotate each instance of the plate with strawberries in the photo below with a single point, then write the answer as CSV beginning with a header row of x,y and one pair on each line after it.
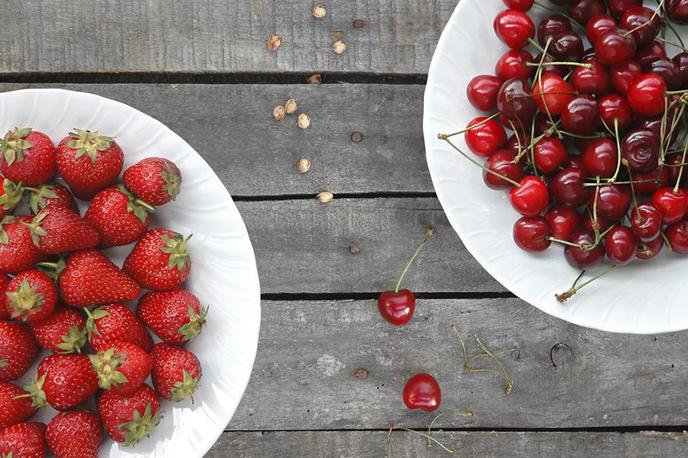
x,y
129,295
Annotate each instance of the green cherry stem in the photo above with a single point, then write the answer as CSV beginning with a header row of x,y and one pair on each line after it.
x,y
680,170
476,125
428,235
618,151
445,137
563,297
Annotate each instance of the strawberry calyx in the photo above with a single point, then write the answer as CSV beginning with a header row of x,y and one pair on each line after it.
x,y
92,316
3,362
172,179
13,144
185,388
34,390
24,301
37,199
73,341
175,247
139,208
106,364
35,228
52,269
10,194
4,238
140,426
195,324
89,142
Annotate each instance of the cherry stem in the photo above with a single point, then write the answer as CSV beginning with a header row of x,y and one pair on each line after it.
x,y
583,137
680,170
565,242
676,34
590,185
618,152
427,436
670,43
428,236
492,172
595,225
666,240
577,64
631,182
463,345
563,297
430,427
538,79
505,370
498,353
532,148
489,118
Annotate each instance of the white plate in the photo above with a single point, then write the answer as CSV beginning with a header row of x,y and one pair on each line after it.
x,y
644,298
223,275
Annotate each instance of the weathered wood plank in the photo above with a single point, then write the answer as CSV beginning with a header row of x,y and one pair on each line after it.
x,y
233,128
466,444
309,351
398,36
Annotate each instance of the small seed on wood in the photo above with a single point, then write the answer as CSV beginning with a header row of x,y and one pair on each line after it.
x,y
303,121
338,47
274,42
361,373
315,78
359,24
303,165
290,106
356,137
278,112
318,11
354,249
325,196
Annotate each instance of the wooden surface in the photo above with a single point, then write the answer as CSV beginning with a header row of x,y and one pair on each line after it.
x,y
329,372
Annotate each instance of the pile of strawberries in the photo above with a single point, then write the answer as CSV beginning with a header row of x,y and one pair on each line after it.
x,y
61,293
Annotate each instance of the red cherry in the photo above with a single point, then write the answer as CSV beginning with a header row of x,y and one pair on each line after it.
x,y
623,74
677,234
600,157
530,197
485,139
615,46
642,22
613,201
640,150
514,64
583,10
614,107
531,233
567,46
554,92
522,5
581,115
617,7
681,61
620,245
597,26
668,70
602,223
482,92
422,392
646,221
567,186
516,104
672,204
397,307
551,26
678,11
672,173
549,153
562,221
646,94
514,28
593,80
659,177
650,249
647,54
513,143
581,257
502,162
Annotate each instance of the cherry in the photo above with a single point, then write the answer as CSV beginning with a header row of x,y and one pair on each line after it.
x,y
567,46
677,234
551,26
649,249
613,201
646,183
482,92
549,154
583,10
678,11
620,245
600,157
514,64
672,173
567,187
646,94
672,203
615,46
502,162
543,124
552,93
581,115
642,23
681,61
515,102
591,80
562,221
422,392
613,108
640,150
575,162
586,255
597,26
623,74
602,224
531,233
513,143
648,53
486,138
530,197
514,28
617,7
646,221
523,5
668,70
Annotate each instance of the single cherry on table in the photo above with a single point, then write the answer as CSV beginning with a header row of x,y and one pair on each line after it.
x,y
422,392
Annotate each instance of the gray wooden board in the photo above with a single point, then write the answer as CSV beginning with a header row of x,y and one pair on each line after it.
x,y
309,351
357,444
226,36
233,128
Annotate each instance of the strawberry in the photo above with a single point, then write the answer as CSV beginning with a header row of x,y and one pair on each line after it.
x,y
51,195
10,195
129,418
88,162
123,367
154,180
176,372
27,157
89,278
75,434
159,261
18,350
15,406
4,281
119,216
23,440
116,322
62,332
17,251
63,381
176,316
61,230
31,296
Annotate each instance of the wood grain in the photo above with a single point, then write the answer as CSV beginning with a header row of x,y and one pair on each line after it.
x,y
466,444
565,376
211,36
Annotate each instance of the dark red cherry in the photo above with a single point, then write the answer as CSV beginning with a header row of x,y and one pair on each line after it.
x,y
422,392
650,249
620,245
486,138
552,93
513,143
597,25
672,204
618,7
561,70
523,5
567,47
549,154
575,162
502,162
531,233
530,197
602,223
646,183
646,94
673,168
613,201
623,74
551,26
615,46
593,80
397,307
567,187
648,53
482,92
514,28
514,64
669,71
543,124
640,150
583,10
681,61
600,158
562,221
613,108
646,221
581,115
678,11
515,102
583,257
677,234
643,24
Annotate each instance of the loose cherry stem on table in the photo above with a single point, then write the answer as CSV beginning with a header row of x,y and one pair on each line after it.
x,y
563,297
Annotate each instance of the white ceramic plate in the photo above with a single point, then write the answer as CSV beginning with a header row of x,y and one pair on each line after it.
x,y
223,275
644,298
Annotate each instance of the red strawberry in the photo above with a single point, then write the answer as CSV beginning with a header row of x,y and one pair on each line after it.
x,y
27,157
18,350
62,332
176,316
63,381
17,251
31,296
129,418
119,216
23,440
88,162
51,195
154,180
4,281
89,278
15,406
123,367
10,196
159,260
61,230
75,434
116,322
176,372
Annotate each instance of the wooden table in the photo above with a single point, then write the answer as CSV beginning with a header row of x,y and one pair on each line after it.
x,y
329,372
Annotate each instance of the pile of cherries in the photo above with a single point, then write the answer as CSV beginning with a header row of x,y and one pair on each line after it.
x,y
595,154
